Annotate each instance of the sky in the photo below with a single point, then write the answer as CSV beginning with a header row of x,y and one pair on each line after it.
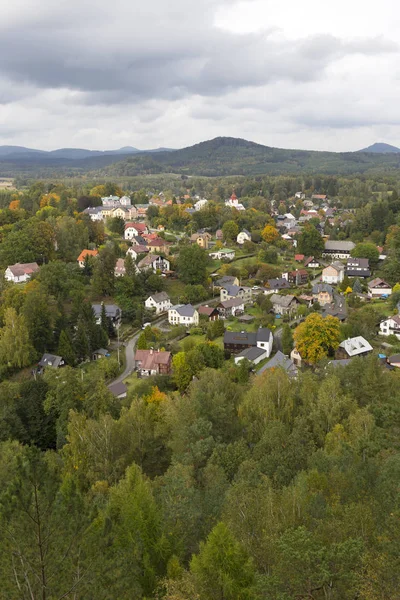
x,y
101,75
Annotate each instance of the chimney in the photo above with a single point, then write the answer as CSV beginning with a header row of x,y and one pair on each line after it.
x,y
151,350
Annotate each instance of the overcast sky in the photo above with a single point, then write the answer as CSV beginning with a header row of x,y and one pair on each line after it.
x,y
286,73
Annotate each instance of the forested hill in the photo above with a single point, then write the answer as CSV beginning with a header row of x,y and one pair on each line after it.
x,y
218,157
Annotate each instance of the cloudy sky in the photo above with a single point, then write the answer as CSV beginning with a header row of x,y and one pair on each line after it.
x,y
101,75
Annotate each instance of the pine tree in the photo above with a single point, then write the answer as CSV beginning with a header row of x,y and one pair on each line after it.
x,y
65,348
287,339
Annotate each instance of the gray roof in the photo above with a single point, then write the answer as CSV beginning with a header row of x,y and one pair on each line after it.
x,y
225,280
363,263
278,284
322,287
160,297
248,338
339,246
50,360
339,363
252,353
231,302
102,351
184,310
284,301
118,389
112,310
280,360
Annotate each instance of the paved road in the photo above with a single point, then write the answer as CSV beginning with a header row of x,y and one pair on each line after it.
x,y
129,359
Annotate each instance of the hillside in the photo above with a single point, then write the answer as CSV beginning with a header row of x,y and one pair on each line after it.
x,y
380,148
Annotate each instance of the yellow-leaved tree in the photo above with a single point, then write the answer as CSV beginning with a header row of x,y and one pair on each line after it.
x,y
317,337
270,234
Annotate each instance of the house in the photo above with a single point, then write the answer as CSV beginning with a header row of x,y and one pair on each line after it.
x,y
357,346
109,200
280,361
377,288
134,251
200,204
390,326
254,355
338,249
298,277
20,272
183,314
284,305
296,357
113,312
235,291
153,362
319,197
119,269
158,245
233,202
211,312
237,341
334,273
337,308
226,280
222,254
84,255
312,263
358,267
94,212
118,389
154,262
275,285
230,308
300,195
243,236
134,229
201,239
138,241
159,302
100,353
323,293
51,360
394,360
299,257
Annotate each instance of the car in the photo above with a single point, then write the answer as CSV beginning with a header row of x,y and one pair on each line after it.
x,y
146,325
255,287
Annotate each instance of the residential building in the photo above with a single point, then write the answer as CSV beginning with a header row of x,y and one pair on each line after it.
x,y
118,390
125,201
295,356
219,235
211,312
201,239
134,251
154,262
183,314
390,326
319,197
158,302
334,273
338,249
230,308
299,257
394,360
85,254
284,305
280,361
377,288
235,291
158,245
200,204
243,236
113,312
153,362
100,353
357,346
275,285
254,355
222,254
51,360
300,195
312,263
226,280
237,341
132,230
323,293
20,272
233,202
109,200
337,308
119,270
298,277
358,267
94,212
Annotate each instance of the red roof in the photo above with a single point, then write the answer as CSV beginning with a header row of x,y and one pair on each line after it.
x,y
233,197
140,227
86,253
299,257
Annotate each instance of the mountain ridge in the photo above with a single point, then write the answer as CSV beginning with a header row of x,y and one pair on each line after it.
x,y
381,148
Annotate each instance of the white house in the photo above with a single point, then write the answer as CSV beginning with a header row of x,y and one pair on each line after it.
x,y
334,273
133,230
20,272
243,236
378,288
255,346
223,254
183,314
125,201
134,251
200,204
338,249
235,291
300,195
159,302
154,262
233,202
390,326
94,213
109,200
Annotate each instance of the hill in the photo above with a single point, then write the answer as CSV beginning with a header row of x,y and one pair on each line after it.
x,y
379,148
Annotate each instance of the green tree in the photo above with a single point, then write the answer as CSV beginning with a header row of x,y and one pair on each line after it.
x,y
182,372
311,242
230,231
142,342
103,272
16,349
38,315
366,250
66,349
192,265
287,339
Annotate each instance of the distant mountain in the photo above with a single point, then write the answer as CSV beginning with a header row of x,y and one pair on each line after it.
x,y
20,152
14,150
380,148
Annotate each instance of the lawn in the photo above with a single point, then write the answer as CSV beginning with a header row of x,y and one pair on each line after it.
x,y
174,288
195,340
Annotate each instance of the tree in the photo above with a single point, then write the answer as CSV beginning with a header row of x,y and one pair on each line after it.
x,y
357,288
116,225
222,569
270,234
366,250
130,267
142,342
230,231
38,316
66,349
182,372
317,337
287,339
311,242
103,272
16,349
192,265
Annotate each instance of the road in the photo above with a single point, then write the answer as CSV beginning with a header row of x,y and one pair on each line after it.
x,y
129,359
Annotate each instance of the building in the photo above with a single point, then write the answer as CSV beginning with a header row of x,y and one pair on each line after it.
x,y
158,302
219,235
202,239
109,200
284,305
276,285
358,267
390,326
51,360
113,312
254,355
338,249
237,341
222,254
295,357
378,288
357,346
134,251
211,312
200,204
94,212
183,314
280,361
233,202
84,255
154,262
226,280
153,362
235,291
299,257
243,236
118,389
319,197
394,360
158,245
100,353
337,308
134,229
230,308
323,293
119,270
334,273
20,272
312,263
298,277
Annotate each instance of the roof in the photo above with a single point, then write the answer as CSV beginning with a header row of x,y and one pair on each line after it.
x,y
252,353
249,338
139,249
309,260
86,253
339,245
284,301
149,359
395,358
118,389
232,302
278,284
378,283
279,360
355,346
112,310
184,310
363,263
20,269
206,310
50,360
102,351
322,287
226,280
160,297
395,318
140,227
148,260
299,257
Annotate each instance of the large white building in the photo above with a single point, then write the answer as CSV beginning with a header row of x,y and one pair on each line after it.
x,y
20,272
159,302
390,326
183,314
